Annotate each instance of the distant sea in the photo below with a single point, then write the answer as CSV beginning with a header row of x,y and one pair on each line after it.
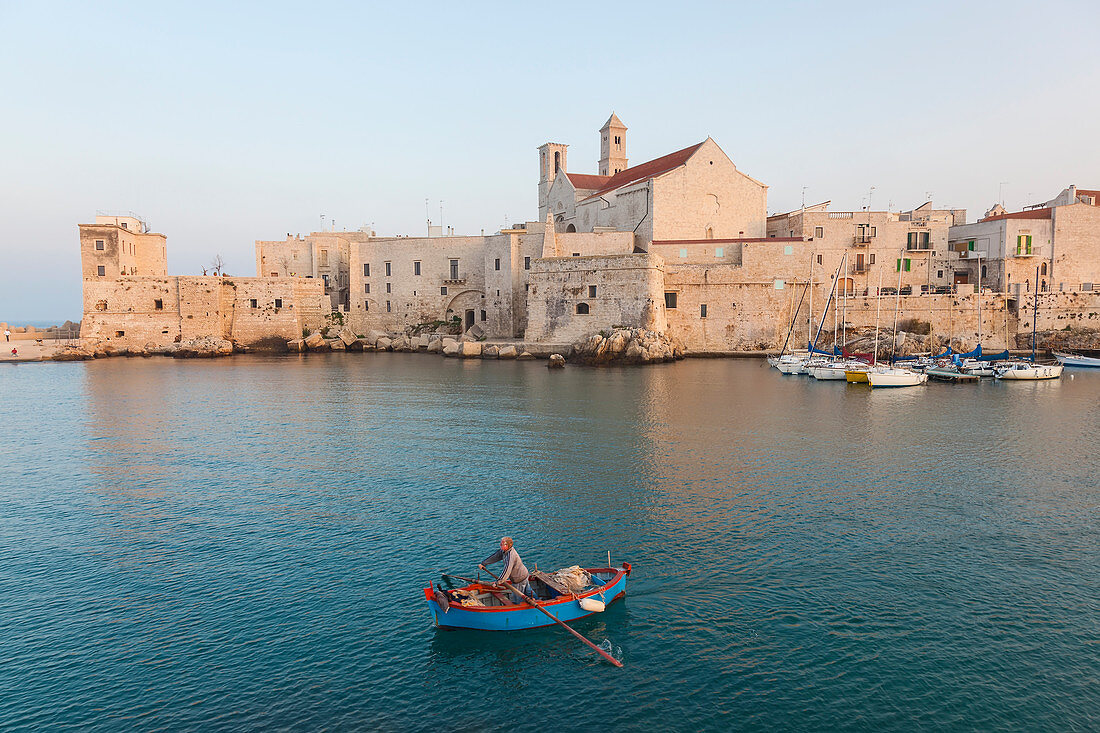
x,y
13,322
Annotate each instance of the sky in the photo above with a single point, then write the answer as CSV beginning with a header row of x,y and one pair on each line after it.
x,y
224,123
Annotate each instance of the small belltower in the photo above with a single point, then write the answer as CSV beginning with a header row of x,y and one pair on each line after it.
x,y
551,162
612,146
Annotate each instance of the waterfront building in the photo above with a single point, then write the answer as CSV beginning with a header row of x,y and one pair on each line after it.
x,y
1060,238
881,246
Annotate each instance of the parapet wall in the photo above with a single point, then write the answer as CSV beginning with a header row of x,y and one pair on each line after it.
x,y
628,293
137,311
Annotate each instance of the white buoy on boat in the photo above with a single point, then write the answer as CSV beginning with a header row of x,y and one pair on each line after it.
x,y
592,605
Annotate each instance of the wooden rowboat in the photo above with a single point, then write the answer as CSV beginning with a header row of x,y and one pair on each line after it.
x,y
485,606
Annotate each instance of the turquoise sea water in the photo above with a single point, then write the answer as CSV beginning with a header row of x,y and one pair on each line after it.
x,y
241,544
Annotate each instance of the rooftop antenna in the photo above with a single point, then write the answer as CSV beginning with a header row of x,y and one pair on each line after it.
x,y
803,198
1001,192
428,216
441,213
322,222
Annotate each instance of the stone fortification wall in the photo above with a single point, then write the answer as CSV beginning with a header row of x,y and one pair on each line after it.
x,y
628,294
583,244
1076,248
136,311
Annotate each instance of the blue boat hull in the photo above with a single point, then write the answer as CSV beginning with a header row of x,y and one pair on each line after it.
x,y
497,618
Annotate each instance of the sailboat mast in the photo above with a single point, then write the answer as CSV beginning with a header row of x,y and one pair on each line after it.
x,y
897,306
878,312
1035,316
810,314
979,303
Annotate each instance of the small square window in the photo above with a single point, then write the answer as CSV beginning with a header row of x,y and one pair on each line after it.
x,y
366,269
683,252
443,290
719,251
819,232
702,310
119,334
366,287
158,304
576,254
788,250
100,270
526,263
591,291
252,303
670,301
939,273
496,264
780,284
387,269
416,268
278,302
99,244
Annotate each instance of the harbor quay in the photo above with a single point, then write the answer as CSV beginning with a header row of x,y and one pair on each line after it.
x,y
680,247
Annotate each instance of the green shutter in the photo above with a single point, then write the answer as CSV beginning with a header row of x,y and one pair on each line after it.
x,y
970,245
899,265
908,262
909,239
1029,244
1019,244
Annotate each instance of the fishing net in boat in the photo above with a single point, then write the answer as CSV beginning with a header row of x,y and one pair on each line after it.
x,y
573,578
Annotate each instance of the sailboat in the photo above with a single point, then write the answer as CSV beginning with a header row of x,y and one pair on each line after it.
x,y
1030,370
894,376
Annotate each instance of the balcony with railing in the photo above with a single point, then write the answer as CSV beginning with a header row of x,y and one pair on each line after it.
x,y
454,277
860,268
862,240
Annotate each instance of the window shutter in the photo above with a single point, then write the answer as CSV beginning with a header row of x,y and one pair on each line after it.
x,y
970,245
899,265
908,262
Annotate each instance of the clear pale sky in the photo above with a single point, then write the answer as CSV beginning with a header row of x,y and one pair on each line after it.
x,y
222,123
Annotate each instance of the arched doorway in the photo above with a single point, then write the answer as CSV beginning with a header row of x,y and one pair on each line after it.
x,y
570,228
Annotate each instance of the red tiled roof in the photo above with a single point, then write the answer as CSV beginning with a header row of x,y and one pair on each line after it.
x,y
1031,214
587,182
1088,192
647,170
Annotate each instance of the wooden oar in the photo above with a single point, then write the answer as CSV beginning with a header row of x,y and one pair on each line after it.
x,y
534,604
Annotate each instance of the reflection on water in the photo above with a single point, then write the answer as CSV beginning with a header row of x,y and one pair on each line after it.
x,y
242,543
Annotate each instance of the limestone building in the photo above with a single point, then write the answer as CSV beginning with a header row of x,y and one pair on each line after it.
x,y
1054,245
882,247
130,300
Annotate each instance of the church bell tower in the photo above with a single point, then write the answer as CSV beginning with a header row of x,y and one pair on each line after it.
x,y
612,146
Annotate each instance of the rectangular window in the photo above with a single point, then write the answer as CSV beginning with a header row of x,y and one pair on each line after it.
x,y
719,251
899,266
576,254
925,240
366,269
780,284
496,264
939,273
278,302
416,268
702,310
158,304
819,259
910,237
366,305
484,316
872,258
670,301
387,269
970,245
788,250
443,290
389,287
252,303
591,291
324,258
819,232
99,244
120,334
683,252
388,308
366,287
908,262
100,271
454,269
526,263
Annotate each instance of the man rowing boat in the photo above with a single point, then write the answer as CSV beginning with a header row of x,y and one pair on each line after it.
x,y
515,572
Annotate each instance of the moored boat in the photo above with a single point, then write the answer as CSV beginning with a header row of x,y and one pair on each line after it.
x,y
487,607
949,373
1076,360
894,377
857,374
1024,370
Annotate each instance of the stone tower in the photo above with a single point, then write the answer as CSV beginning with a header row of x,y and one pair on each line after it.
x,y
551,160
612,146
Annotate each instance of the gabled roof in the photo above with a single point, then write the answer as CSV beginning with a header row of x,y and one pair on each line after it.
x,y
1030,214
645,171
586,182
